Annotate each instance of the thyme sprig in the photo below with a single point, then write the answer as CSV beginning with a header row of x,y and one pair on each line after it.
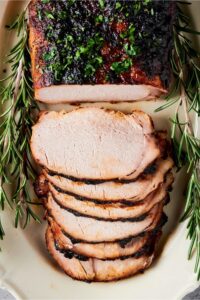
x,y
16,120
185,95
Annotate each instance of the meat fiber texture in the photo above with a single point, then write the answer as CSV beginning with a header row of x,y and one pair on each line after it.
x,y
97,173
95,144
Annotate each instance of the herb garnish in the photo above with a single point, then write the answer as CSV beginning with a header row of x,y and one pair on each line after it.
x,y
126,28
15,123
185,65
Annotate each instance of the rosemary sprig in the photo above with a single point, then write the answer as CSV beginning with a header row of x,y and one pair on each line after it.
x,y
15,129
184,63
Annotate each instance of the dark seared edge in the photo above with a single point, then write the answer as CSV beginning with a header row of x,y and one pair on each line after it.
x,y
145,250
124,202
78,214
149,170
141,271
155,231
96,201
81,215
122,242
42,191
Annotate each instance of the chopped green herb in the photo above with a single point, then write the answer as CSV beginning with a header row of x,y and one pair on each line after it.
x,y
131,50
121,66
102,3
131,33
47,56
80,32
118,5
89,69
99,19
49,15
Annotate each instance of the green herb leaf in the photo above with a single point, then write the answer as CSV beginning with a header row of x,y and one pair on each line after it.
x,y
121,66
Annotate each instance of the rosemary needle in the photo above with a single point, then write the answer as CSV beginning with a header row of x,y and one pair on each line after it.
x,y
15,129
184,63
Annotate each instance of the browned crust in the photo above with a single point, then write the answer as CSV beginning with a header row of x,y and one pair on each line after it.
x,y
56,230
41,189
36,44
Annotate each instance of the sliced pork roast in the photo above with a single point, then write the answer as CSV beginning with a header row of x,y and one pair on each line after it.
x,y
114,211
108,250
105,178
111,190
94,144
90,229
92,269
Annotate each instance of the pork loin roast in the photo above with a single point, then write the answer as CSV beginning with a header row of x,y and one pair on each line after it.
x,y
78,57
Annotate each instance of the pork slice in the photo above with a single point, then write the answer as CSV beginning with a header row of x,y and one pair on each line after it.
x,y
146,165
94,269
80,270
92,143
97,93
108,250
111,190
113,211
90,229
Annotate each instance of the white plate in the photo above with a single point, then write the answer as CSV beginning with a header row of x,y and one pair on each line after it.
x,y
29,273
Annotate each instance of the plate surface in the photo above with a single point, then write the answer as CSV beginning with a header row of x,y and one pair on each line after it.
x,y
25,266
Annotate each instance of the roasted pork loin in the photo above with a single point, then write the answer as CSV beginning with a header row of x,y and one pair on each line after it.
x,y
106,51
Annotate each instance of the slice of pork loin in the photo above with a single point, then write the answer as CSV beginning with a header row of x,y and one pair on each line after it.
x,y
92,143
145,166
95,269
114,211
109,250
111,190
97,93
90,229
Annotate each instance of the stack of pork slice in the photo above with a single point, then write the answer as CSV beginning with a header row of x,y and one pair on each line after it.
x,y
105,179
